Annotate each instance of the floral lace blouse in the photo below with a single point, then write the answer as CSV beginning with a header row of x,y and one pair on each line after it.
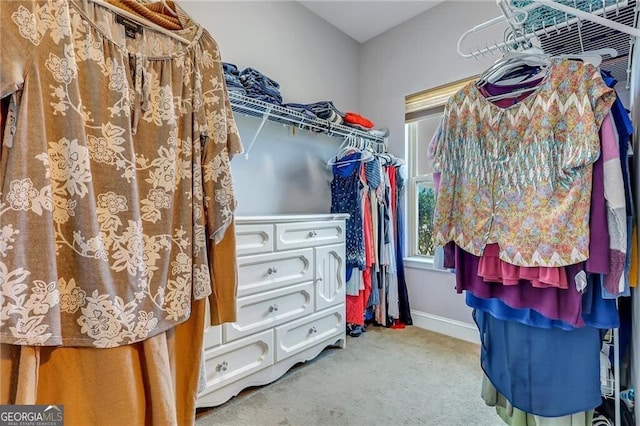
x,y
521,176
114,174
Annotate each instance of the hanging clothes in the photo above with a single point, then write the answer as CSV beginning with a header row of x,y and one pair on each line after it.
x,y
124,223
482,164
558,383
403,294
345,198
370,192
532,205
116,149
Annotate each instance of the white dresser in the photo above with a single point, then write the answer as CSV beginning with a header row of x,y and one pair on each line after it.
x,y
291,302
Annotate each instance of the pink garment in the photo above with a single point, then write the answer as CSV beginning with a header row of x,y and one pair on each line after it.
x,y
367,222
616,213
492,269
356,305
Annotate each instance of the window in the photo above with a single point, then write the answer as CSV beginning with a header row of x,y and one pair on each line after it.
x,y
423,197
423,114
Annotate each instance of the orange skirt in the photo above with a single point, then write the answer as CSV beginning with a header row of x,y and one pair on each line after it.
x,y
153,382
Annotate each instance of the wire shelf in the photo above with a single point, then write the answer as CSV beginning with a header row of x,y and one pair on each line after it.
x,y
276,113
545,17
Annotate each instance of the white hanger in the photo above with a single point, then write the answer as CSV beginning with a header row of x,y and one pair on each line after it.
x,y
511,61
351,143
364,158
514,59
142,21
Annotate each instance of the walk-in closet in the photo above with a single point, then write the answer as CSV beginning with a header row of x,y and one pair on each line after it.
x,y
319,212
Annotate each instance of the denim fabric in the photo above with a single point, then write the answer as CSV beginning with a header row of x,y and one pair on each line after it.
x,y
259,86
301,109
231,77
230,69
323,109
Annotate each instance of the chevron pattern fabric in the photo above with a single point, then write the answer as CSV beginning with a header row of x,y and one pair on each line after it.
x,y
521,176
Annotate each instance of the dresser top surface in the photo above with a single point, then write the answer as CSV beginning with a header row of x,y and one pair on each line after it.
x,y
290,218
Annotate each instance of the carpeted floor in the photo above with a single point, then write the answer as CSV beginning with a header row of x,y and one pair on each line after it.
x,y
384,377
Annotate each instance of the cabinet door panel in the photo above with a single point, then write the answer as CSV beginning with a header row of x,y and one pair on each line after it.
x,y
264,272
330,276
308,234
301,334
254,239
266,310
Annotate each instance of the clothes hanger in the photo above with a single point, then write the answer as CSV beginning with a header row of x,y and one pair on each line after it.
x,y
167,8
594,57
511,61
108,4
364,158
159,12
353,144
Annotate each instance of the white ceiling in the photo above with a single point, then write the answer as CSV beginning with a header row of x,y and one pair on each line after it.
x,y
363,20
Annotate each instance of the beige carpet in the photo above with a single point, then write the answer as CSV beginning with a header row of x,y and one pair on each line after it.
x,y
384,377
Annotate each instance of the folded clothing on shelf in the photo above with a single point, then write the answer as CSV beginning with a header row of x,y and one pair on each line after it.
x,y
259,86
354,119
322,109
381,133
232,78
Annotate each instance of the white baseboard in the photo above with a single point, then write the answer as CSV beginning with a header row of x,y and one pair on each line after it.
x,y
449,327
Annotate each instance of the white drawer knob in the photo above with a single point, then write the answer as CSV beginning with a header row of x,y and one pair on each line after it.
x,y
313,330
272,270
222,366
273,308
312,234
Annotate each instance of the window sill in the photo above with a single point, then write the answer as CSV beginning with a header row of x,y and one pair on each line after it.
x,y
416,262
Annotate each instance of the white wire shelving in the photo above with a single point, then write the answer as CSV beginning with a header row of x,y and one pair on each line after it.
x,y
242,104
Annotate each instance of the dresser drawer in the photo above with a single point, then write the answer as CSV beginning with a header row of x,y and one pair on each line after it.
x,y
212,333
231,362
262,272
254,239
212,336
303,333
266,310
308,234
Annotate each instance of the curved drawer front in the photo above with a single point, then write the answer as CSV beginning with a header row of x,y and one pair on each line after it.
x,y
228,363
266,310
212,335
254,239
301,334
308,234
275,270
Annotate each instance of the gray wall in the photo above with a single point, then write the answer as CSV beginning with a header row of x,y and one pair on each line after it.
x,y
418,55
310,58
312,61
287,173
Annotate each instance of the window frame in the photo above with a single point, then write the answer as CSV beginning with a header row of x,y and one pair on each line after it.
x,y
419,106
